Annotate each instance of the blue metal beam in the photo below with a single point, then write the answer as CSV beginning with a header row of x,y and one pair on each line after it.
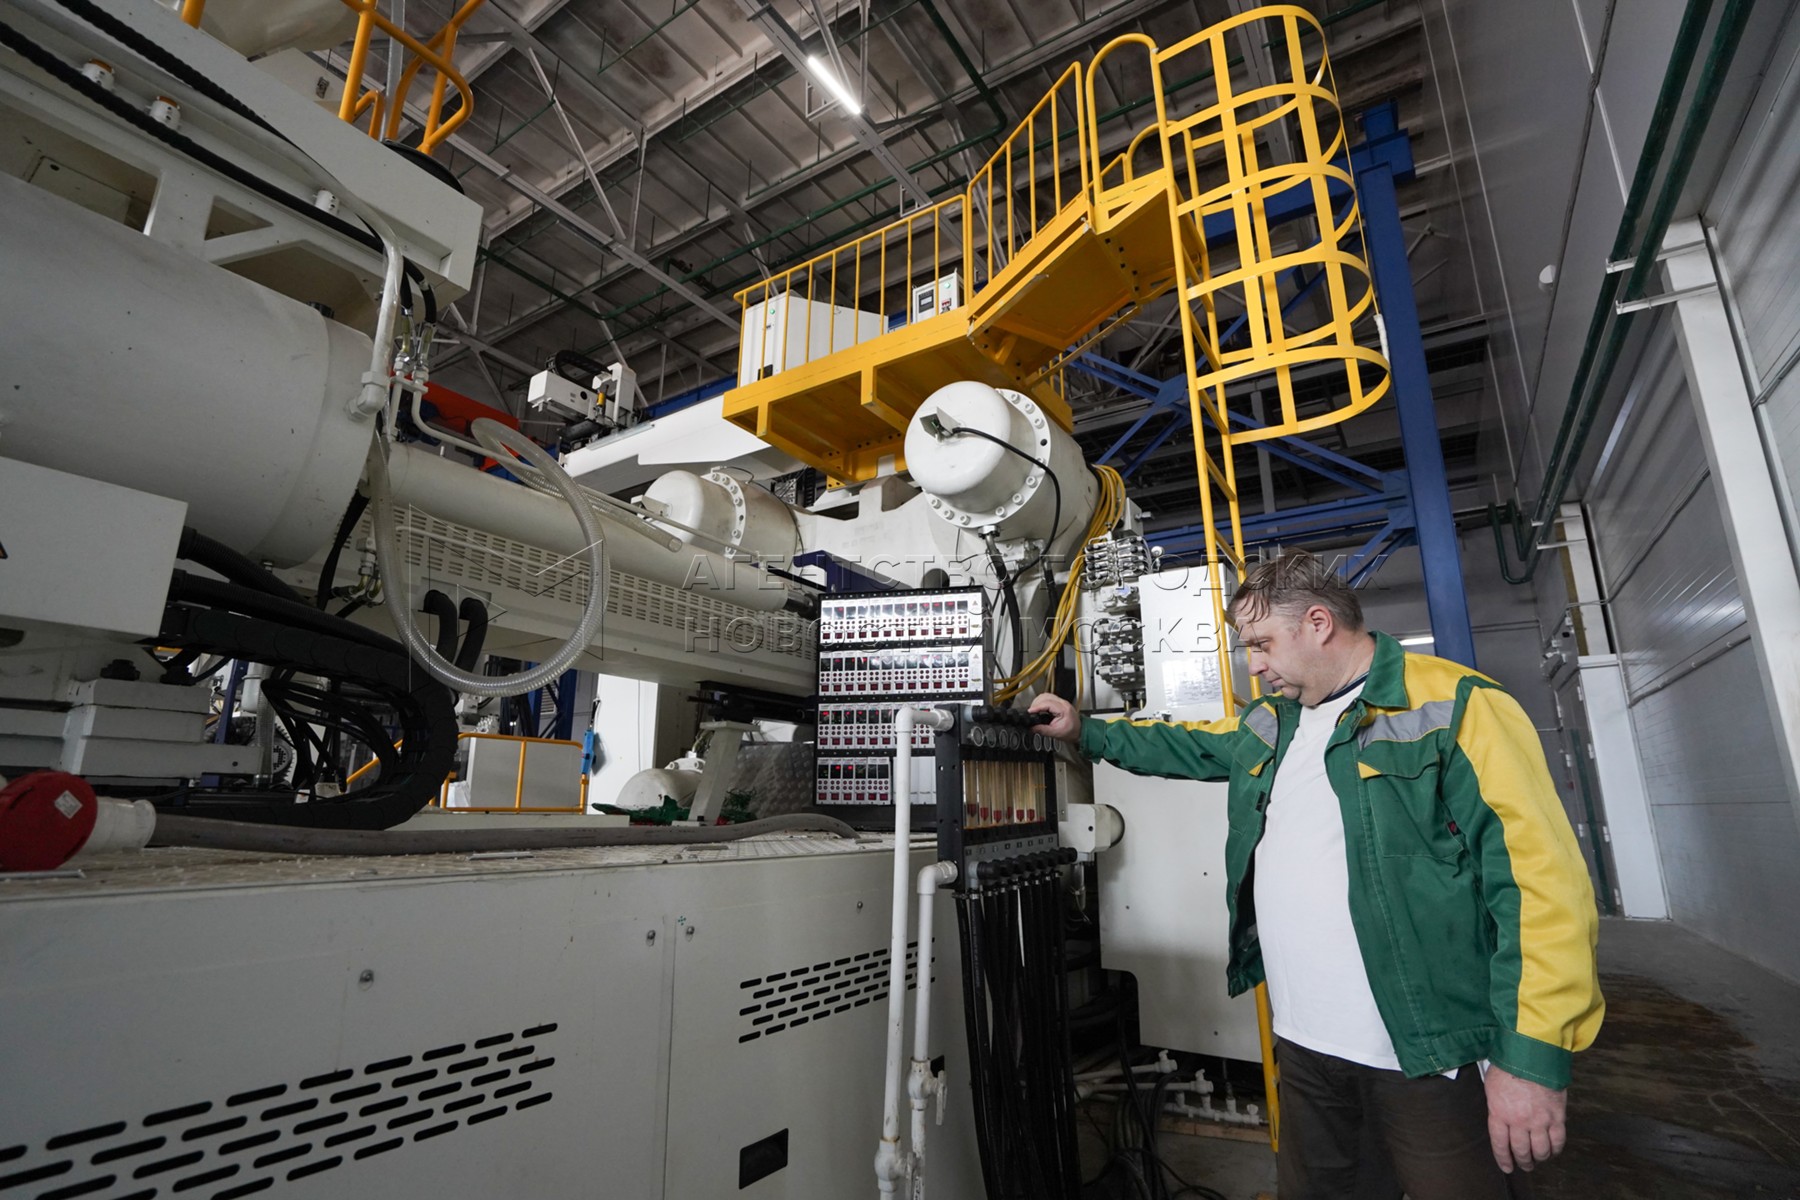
x,y
1385,156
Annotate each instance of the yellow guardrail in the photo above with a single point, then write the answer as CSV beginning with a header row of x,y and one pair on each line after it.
x,y
1007,192
927,245
437,52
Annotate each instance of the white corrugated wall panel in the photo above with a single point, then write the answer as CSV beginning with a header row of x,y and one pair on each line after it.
x,y
1752,213
1660,532
1725,828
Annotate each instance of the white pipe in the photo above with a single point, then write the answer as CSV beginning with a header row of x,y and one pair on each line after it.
x,y
921,1084
890,1166
464,496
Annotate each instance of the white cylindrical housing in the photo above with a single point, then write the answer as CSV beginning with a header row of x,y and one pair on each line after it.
x,y
465,496
694,501
728,510
973,483
140,365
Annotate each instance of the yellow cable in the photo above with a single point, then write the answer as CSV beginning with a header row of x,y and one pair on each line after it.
x,y
1106,515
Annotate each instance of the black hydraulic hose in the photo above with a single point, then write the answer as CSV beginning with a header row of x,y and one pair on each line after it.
x,y
474,615
409,275
240,569
123,109
211,592
174,829
444,609
1015,620
328,574
424,710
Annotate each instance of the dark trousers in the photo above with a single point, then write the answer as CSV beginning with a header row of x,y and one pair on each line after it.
x,y
1350,1132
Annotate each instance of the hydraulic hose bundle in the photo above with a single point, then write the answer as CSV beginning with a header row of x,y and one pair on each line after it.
x,y
376,698
997,825
1016,1011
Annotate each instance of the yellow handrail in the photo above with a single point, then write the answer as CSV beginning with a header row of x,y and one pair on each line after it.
x,y
1000,173
437,52
817,279
368,766
191,11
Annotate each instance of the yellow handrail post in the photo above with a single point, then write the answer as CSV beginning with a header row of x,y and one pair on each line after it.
x,y
191,11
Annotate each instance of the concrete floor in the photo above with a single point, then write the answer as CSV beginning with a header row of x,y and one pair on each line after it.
x,y
1692,1091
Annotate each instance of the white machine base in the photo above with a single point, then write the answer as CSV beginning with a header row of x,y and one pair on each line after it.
x,y
687,1022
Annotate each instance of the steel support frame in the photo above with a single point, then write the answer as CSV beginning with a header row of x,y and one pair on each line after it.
x,y
1411,507
1384,158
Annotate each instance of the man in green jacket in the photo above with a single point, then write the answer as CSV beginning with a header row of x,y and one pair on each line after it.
x,y
1401,873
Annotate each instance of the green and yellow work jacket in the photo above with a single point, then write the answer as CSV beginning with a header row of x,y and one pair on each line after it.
x,y
1468,892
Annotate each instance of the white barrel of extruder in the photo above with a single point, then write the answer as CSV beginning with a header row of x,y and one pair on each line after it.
x,y
974,483
465,496
727,510
140,365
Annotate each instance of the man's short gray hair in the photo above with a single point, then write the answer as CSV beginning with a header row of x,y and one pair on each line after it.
x,y
1290,585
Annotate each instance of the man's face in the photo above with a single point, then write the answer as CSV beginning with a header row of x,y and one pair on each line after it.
x,y
1286,653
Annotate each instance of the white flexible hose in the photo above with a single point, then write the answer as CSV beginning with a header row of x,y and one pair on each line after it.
x,y
498,439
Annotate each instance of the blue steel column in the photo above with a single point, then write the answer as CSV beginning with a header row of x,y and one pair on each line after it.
x,y
1385,154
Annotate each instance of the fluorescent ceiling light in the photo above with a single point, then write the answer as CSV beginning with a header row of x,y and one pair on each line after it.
x,y
1424,639
833,84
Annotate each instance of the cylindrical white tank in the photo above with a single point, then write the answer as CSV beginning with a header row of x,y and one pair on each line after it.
x,y
726,509
973,483
464,496
133,363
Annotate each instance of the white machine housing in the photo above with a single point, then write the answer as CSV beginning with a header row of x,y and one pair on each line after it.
x,y
632,1023
795,331
1163,885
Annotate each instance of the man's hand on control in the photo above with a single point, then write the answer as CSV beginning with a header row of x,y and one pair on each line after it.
x,y
1065,725
1525,1120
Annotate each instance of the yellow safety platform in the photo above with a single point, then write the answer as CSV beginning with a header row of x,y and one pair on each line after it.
x,y
1050,247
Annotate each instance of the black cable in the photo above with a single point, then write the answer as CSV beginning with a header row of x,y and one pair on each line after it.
x,y
119,107
240,569
444,609
328,573
130,38
409,275
1015,620
474,615
216,594
563,360
424,713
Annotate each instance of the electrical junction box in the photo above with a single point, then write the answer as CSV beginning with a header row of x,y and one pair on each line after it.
x,y
788,331
536,773
81,554
939,296
564,397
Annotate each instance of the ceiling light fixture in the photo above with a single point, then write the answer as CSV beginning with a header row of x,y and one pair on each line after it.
x,y
833,84
1424,639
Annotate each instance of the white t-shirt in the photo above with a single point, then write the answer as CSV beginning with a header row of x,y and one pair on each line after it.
x,y
1319,993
